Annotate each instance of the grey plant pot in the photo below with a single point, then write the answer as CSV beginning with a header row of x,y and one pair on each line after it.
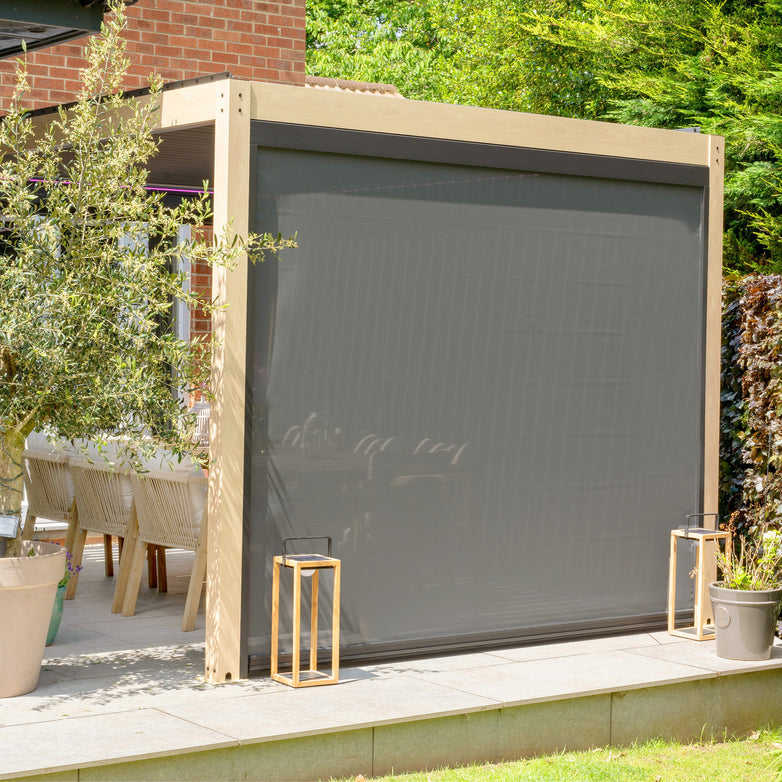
x,y
744,621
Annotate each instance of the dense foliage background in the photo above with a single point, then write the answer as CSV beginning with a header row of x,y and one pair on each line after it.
x,y
751,432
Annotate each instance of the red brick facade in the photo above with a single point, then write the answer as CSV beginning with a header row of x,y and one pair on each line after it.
x,y
180,39
201,281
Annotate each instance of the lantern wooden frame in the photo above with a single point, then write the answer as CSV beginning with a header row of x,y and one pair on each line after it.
x,y
703,622
310,677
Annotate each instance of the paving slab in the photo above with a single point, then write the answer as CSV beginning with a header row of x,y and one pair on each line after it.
x,y
425,665
610,643
85,741
170,663
534,681
664,637
358,701
155,629
725,705
103,684
703,654
327,756
83,640
107,694
123,698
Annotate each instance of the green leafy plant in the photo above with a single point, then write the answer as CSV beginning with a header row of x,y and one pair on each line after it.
x,y
378,41
705,64
88,273
753,562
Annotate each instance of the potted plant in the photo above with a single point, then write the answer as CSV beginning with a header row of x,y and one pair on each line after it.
x,y
88,282
746,601
62,586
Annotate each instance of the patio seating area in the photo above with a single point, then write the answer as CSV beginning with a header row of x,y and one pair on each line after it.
x,y
93,489
123,698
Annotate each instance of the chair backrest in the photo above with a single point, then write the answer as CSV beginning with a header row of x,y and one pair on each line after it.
x,y
47,478
170,497
104,494
202,411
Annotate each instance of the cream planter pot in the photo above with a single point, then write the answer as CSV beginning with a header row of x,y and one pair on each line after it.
x,y
27,589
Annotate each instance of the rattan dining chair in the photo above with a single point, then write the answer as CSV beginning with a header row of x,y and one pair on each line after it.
x,y
48,483
171,510
104,497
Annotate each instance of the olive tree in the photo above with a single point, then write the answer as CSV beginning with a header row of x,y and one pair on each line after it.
x,y
86,344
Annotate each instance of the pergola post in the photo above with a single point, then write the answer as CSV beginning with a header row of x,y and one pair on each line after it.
x,y
224,657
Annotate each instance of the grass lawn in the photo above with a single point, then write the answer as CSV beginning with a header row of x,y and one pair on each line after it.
x,y
752,759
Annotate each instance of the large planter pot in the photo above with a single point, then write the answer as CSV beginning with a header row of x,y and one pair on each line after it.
x,y
28,585
744,621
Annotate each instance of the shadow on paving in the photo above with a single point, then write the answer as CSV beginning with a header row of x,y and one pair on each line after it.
x,y
136,671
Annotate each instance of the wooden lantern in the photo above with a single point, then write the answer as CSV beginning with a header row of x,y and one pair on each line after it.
x,y
305,564
703,625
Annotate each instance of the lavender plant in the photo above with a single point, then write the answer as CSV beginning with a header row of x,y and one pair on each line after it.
x,y
70,570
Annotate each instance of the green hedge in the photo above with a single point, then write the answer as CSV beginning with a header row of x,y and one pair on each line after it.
x,y
751,415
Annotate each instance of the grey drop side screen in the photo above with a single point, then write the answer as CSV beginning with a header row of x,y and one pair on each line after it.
x,y
486,386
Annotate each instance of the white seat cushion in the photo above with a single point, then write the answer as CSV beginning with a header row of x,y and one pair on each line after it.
x,y
52,446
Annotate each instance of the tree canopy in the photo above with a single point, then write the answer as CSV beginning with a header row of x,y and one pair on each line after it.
x,y
378,41
714,65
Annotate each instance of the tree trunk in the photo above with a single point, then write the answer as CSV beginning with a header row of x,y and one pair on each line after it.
x,y
11,484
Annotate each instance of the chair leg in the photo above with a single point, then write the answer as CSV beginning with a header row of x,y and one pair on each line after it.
x,y
109,555
28,531
77,553
152,566
197,576
125,561
162,575
73,526
134,578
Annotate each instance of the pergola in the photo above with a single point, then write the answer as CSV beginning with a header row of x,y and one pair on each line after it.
x,y
532,402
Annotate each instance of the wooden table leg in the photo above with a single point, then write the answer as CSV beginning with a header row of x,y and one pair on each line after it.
x,y
152,566
108,553
162,578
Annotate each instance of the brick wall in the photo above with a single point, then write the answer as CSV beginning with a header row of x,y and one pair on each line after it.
x,y
201,281
180,39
